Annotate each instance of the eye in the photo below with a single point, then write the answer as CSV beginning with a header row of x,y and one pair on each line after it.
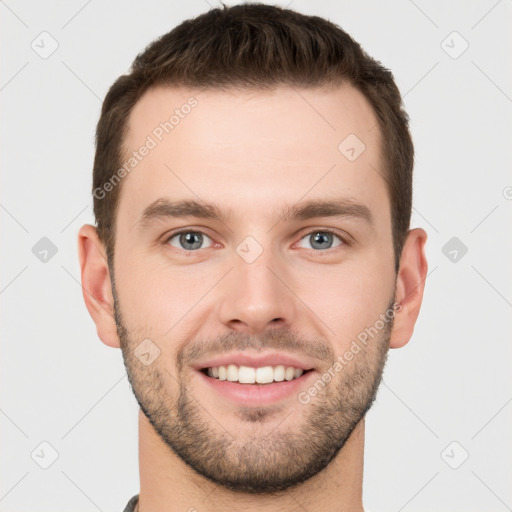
x,y
321,240
188,240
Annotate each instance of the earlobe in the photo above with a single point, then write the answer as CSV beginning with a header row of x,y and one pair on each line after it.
x,y
409,287
96,285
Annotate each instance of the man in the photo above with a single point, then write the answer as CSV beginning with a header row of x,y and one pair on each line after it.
x,y
252,257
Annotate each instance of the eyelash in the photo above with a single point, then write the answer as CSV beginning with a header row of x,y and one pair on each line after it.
x,y
329,231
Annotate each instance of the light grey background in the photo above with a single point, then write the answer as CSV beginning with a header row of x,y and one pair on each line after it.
x,y
451,383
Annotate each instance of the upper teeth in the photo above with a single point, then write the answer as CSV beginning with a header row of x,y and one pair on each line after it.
x,y
248,375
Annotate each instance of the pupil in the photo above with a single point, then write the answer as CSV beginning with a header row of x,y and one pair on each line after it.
x,y
320,237
193,239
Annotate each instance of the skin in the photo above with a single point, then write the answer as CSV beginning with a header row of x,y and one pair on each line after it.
x,y
253,153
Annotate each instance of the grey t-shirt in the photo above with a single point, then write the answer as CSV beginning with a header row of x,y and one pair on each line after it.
x,y
133,504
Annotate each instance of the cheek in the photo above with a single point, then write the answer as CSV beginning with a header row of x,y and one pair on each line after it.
x,y
158,298
145,292
347,299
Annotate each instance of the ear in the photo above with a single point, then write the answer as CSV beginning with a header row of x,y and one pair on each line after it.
x,y
409,287
96,286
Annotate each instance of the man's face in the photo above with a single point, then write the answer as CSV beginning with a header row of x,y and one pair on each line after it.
x,y
259,286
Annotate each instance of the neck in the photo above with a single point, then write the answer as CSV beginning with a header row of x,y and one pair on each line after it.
x,y
167,484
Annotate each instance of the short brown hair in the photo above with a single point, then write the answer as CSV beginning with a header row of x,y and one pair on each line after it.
x,y
260,47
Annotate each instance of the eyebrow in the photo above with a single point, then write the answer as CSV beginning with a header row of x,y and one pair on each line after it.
x,y
163,208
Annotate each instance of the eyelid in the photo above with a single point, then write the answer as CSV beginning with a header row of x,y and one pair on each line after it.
x,y
167,237
342,235
344,239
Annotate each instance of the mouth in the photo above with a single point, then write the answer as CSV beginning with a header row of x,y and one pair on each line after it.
x,y
249,386
249,379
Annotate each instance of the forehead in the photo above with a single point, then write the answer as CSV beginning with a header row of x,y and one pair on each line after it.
x,y
251,151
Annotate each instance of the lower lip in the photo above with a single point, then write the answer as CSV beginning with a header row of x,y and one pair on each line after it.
x,y
257,394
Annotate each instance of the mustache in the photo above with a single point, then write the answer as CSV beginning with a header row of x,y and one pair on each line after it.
x,y
276,339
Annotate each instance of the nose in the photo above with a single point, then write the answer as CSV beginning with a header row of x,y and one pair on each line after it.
x,y
256,296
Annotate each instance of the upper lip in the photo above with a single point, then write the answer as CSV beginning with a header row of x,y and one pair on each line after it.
x,y
256,361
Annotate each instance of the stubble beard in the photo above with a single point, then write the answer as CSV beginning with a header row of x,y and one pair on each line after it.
x,y
260,465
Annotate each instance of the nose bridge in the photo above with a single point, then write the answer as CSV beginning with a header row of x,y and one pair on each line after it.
x,y
254,293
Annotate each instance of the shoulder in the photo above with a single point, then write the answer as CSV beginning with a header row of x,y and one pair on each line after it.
x,y
132,505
